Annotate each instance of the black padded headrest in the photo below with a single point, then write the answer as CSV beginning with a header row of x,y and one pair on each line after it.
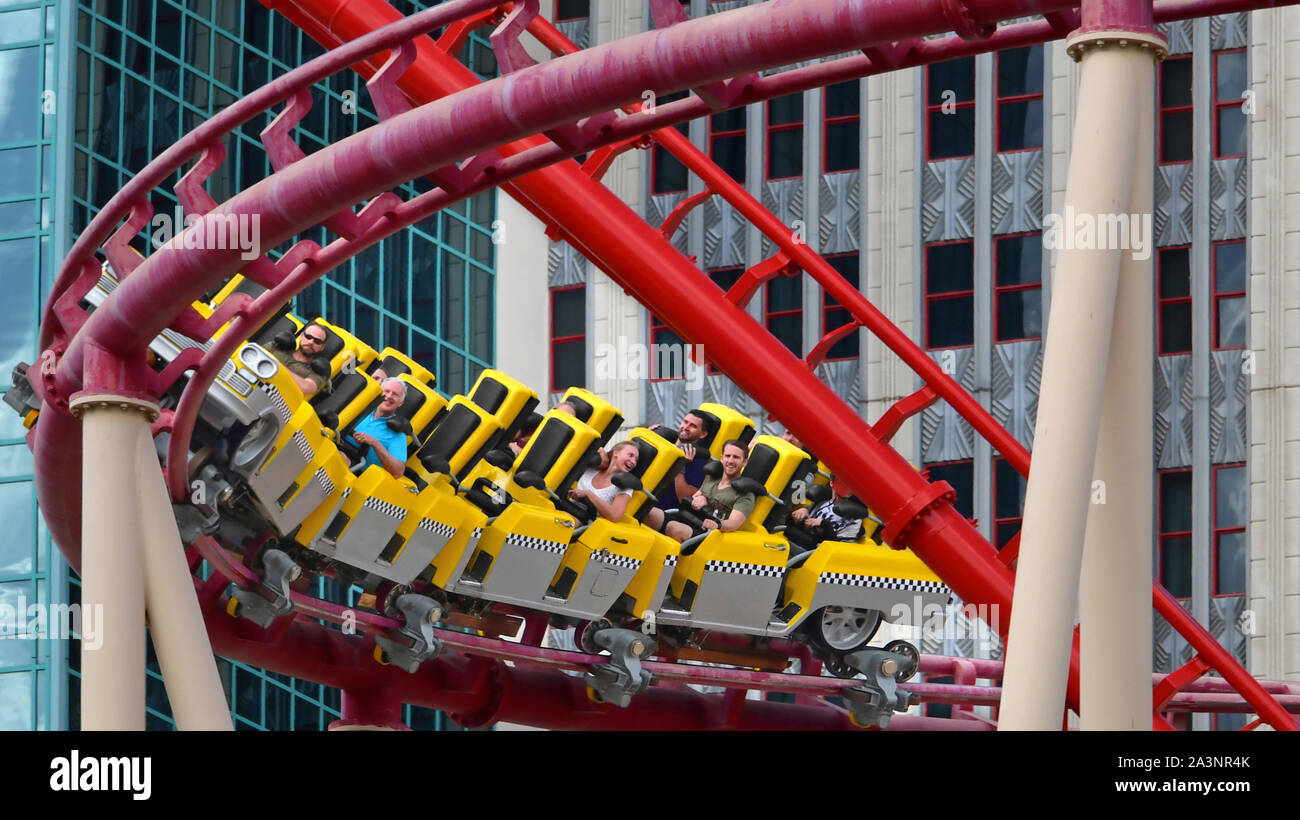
x,y
346,388
489,395
391,365
451,433
581,410
711,423
280,323
548,442
412,403
762,460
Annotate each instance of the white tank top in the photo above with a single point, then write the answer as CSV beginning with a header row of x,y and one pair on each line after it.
x,y
606,494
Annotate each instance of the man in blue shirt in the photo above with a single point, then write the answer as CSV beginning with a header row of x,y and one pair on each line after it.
x,y
382,445
692,429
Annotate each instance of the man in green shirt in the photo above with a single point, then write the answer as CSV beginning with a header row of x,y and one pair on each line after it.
x,y
311,343
728,507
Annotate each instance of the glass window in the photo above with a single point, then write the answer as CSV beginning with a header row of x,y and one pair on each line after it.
x,y
1174,300
950,109
572,9
1175,532
785,136
1229,91
667,173
20,104
568,337
1230,306
835,315
841,124
727,142
1231,516
950,294
960,475
1020,98
1176,109
783,311
1009,489
1018,287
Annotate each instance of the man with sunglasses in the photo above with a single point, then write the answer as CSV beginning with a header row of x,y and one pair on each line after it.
x,y
311,344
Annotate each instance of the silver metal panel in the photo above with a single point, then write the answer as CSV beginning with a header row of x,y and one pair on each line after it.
x,y
1017,373
657,210
1173,411
1017,192
945,436
714,8
1174,198
734,601
1229,406
839,212
784,198
366,536
1228,31
599,586
1169,649
666,402
521,574
564,265
1229,194
845,378
722,390
948,199
1179,35
1225,624
725,234
579,31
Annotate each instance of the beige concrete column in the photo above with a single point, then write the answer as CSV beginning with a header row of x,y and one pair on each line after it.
x,y
1099,182
1115,585
180,639
112,575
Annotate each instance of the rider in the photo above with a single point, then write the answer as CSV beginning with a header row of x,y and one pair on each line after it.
x,y
728,508
597,486
689,434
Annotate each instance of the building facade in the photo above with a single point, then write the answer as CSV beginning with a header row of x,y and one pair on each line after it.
x,y
91,92
928,188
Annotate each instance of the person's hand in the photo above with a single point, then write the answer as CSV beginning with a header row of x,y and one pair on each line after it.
x,y
697,501
799,514
689,451
815,522
577,494
364,439
710,524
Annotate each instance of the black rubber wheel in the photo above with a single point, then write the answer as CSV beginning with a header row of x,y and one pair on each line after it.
x,y
587,635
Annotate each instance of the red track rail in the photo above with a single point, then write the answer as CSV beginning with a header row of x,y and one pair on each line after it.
x,y
106,352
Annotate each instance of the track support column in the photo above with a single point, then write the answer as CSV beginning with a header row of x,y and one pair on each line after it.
x,y
112,565
1117,50
1115,584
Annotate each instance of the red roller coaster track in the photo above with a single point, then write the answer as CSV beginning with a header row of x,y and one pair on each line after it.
x,y
516,132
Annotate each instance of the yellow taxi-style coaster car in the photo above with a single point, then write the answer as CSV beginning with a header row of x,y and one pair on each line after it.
x,y
835,595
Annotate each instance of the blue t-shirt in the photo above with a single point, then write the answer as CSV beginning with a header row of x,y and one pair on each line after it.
x,y
392,441
693,473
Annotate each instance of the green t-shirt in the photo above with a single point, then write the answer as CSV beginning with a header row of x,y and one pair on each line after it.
x,y
298,368
723,501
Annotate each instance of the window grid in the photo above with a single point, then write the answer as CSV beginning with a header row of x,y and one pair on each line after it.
x,y
1025,99
1222,296
1000,290
146,79
790,317
938,110
1005,526
782,131
835,315
850,123
1169,532
1172,116
1220,530
726,134
1230,106
557,341
933,297
1170,309
26,206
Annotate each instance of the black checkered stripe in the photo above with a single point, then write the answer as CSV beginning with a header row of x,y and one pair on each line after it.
x,y
670,560
436,527
277,401
618,561
536,543
904,584
381,506
325,483
737,568
303,447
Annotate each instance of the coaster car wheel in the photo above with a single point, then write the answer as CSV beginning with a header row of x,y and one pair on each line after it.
x,y
909,668
587,635
843,629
